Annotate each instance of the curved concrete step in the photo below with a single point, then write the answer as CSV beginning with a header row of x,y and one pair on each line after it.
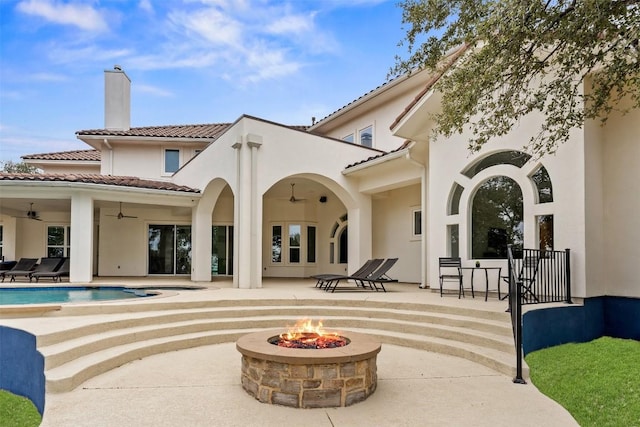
x,y
103,342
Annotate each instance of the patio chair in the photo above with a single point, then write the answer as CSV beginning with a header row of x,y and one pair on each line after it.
x,y
367,268
23,264
46,265
57,275
450,270
526,277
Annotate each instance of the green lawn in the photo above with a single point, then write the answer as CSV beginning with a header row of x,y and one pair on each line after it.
x,y
17,411
597,382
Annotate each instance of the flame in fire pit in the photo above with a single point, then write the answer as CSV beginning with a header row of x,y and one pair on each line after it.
x,y
304,334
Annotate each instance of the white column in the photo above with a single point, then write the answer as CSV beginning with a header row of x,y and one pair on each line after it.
x,y
424,252
81,268
201,243
237,213
254,142
360,240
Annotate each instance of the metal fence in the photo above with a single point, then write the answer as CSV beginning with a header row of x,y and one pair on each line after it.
x,y
535,277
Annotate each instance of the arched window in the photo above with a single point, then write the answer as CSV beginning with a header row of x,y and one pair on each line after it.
x,y
454,199
507,157
496,218
343,246
542,180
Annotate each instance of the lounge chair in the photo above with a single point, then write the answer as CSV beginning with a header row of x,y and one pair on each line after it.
x,y
367,268
379,277
57,275
367,279
47,265
23,264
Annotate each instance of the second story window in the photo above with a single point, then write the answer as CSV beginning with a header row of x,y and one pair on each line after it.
x,y
348,138
171,161
366,136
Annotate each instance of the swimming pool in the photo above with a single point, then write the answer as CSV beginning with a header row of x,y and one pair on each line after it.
x,y
19,296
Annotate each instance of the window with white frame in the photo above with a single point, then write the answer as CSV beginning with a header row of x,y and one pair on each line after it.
x,y
365,136
58,241
171,160
293,243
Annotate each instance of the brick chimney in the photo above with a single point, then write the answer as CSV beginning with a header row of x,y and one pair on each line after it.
x,y
117,99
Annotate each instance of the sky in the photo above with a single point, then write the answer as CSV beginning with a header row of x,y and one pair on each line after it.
x,y
190,62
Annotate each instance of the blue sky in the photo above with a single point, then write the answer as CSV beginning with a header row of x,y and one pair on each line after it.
x,y
190,61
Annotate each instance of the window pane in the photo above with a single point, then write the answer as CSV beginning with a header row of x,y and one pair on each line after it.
x,y
294,243
218,249
311,244
276,244
343,249
417,223
55,236
171,160
456,193
497,218
366,136
512,157
545,232
55,252
543,185
454,246
161,253
348,138
183,249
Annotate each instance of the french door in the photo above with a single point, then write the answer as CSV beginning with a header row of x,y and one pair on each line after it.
x,y
222,250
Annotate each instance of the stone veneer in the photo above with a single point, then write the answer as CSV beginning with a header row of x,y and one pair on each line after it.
x,y
308,378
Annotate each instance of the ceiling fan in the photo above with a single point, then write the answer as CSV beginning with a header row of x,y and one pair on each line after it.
x,y
121,215
293,198
31,214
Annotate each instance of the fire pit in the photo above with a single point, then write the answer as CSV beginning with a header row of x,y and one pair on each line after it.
x,y
308,369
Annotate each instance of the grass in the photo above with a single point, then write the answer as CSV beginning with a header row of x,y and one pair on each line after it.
x,y
17,411
597,382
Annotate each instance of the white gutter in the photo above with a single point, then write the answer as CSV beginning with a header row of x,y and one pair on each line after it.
x,y
106,142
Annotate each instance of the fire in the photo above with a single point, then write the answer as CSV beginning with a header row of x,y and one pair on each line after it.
x,y
304,334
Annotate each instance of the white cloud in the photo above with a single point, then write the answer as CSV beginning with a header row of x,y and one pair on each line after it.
x,y
79,15
49,77
294,24
152,90
66,54
146,6
210,25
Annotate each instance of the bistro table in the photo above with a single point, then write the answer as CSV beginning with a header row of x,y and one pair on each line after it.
x,y
486,278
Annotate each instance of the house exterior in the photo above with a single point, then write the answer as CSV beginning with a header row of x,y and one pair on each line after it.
x,y
254,199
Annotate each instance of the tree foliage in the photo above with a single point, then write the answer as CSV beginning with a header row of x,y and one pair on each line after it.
x,y
570,60
18,167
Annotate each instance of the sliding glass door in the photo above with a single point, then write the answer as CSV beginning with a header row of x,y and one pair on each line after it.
x,y
169,249
221,250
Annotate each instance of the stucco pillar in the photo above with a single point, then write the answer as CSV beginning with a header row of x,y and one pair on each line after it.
x,y
201,243
81,268
360,241
424,251
254,142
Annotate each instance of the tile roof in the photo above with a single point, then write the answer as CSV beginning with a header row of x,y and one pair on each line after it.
x,y
119,181
75,155
205,131
403,146
433,80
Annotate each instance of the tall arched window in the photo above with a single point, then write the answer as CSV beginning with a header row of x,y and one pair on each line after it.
x,y
496,218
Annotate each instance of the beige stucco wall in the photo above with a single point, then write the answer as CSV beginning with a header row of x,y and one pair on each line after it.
x,y
393,231
621,207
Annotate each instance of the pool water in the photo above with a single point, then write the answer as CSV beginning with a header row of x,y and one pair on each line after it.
x,y
17,296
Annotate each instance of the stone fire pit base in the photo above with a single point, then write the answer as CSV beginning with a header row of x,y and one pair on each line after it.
x,y
308,378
